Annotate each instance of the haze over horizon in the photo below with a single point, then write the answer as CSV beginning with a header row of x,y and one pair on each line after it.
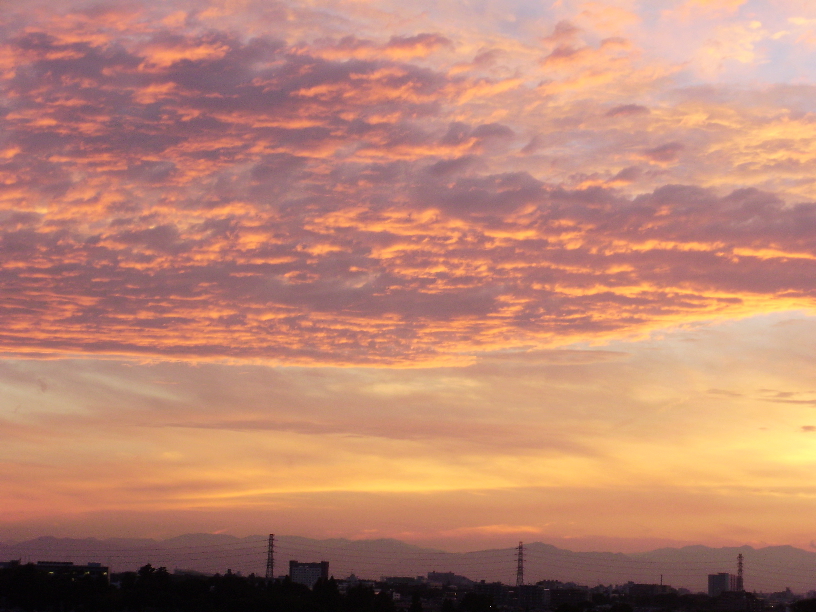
x,y
767,570
581,544
464,273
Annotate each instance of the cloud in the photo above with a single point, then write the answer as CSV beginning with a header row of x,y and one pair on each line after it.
x,y
397,47
189,192
789,397
725,393
731,43
664,153
235,437
697,10
712,5
244,243
554,357
627,110
494,530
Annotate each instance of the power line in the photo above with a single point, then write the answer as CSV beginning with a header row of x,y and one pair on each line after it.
x,y
251,551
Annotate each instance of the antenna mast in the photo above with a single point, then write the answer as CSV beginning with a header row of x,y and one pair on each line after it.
x,y
520,568
270,558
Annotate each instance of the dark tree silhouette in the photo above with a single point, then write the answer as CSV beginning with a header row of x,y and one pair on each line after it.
x,y
805,605
476,602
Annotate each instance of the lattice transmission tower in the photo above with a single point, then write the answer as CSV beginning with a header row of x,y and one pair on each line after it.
x,y
520,565
270,558
740,586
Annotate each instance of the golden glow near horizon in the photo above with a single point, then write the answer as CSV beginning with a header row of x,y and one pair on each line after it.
x,y
511,268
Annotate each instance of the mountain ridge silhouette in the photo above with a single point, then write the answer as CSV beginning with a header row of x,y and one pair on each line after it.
x,y
767,569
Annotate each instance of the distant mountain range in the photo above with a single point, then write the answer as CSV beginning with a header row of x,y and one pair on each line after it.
x,y
768,569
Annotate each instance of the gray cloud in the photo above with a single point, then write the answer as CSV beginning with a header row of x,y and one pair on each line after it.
x,y
246,197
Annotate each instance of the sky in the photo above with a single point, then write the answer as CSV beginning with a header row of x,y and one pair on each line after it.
x,y
461,273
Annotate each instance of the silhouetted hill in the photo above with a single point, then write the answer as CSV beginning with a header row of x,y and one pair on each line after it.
x,y
766,569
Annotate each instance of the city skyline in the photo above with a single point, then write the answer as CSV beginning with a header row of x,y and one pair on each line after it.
x,y
767,570
456,273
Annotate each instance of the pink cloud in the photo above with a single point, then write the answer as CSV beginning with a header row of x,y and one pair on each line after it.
x,y
208,195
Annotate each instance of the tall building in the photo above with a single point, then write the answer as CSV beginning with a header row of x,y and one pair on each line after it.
x,y
308,573
720,583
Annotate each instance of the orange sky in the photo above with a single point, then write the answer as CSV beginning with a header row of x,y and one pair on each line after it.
x,y
493,270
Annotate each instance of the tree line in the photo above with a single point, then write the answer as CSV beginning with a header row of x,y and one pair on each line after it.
x,y
29,589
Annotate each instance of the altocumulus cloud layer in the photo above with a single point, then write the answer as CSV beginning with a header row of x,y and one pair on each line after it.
x,y
603,214
178,182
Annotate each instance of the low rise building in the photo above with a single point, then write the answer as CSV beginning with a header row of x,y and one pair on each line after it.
x,y
643,591
555,598
67,568
449,579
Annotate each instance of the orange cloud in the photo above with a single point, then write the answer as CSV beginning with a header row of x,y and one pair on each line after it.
x,y
693,9
208,196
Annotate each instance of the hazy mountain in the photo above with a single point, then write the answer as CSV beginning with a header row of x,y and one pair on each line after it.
x,y
766,569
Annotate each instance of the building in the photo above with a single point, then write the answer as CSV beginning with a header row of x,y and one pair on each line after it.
x,y
555,598
68,569
495,590
737,601
720,583
308,573
403,580
529,596
646,591
449,579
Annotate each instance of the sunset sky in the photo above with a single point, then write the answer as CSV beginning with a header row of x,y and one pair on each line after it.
x,y
462,272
